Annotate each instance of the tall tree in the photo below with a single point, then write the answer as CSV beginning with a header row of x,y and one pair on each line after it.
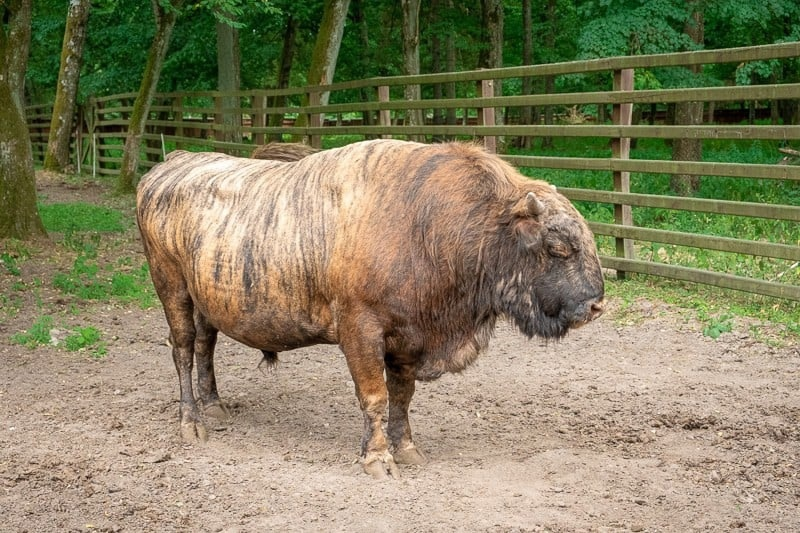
x,y
229,79
411,59
492,19
689,113
19,216
166,14
284,71
359,16
549,81
57,155
326,49
491,56
527,59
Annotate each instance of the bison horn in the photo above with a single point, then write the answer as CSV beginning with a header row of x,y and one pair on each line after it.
x,y
533,205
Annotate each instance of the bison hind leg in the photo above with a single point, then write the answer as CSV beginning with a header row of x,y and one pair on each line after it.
x,y
204,344
400,381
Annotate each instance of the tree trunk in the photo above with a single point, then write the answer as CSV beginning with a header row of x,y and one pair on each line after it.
x,y
526,115
284,74
491,56
228,79
15,56
450,88
165,22
689,113
365,94
19,217
326,52
57,156
411,67
436,65
549,81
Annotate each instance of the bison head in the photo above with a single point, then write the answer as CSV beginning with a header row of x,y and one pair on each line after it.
x,y
553,281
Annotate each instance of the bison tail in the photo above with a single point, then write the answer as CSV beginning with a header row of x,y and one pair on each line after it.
x,y
269,362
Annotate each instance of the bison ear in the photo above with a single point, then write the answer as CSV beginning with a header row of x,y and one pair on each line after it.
x,y
529,206
527,226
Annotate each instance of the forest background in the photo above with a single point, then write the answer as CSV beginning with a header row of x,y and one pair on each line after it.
x,y
115,46
453,36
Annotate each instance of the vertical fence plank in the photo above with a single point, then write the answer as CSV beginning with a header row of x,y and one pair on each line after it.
x,y
621,149
219,121
177,117
314,119
486,114
259,102
384,115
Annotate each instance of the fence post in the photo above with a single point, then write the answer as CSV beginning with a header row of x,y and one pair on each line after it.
x,y
314,119
486,114
219,122
177,117
384,115
259,102
621,149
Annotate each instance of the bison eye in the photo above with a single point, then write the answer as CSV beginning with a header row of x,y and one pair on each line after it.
x,y
560,249
560,241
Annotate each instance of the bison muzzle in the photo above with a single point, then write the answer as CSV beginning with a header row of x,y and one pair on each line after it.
x,y
402,253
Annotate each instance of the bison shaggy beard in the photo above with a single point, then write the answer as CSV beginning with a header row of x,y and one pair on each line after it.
x,y
402,253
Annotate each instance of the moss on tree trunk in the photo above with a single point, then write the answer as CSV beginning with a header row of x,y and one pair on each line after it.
x,y
57,156
19,215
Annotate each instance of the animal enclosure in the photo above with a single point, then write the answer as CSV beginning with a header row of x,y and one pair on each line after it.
x,y
199,121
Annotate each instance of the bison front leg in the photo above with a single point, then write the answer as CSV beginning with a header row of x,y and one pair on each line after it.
x,y
205,341
363,348
400,380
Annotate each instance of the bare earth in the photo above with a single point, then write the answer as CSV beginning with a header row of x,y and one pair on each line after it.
x,y
636,422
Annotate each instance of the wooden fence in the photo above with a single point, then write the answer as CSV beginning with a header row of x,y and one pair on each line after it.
x,y
375,108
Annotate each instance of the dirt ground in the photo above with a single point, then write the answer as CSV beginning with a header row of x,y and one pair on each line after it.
x,y
636,422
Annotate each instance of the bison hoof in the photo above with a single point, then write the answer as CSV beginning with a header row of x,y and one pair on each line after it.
x,y
217,410
382,467
409,456
194,432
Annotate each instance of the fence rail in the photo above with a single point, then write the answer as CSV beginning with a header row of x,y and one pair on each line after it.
x,y
201,121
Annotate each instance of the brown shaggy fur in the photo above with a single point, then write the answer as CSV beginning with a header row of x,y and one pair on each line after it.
x,y
402,253
283,151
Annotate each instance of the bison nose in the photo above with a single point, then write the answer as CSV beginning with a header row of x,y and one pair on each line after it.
x,y
597,308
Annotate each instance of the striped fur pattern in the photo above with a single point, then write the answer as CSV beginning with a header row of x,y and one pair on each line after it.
x,y
277,151
404,254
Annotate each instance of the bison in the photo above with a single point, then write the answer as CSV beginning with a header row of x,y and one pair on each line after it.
x,y
403,254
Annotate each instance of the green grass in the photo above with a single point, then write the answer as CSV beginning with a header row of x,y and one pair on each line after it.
x,y
78,217
44,333
89,280
771,320
38,334
10,264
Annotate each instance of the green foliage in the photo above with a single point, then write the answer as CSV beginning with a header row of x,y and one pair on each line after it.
x,y
629,27
120,32
716,325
